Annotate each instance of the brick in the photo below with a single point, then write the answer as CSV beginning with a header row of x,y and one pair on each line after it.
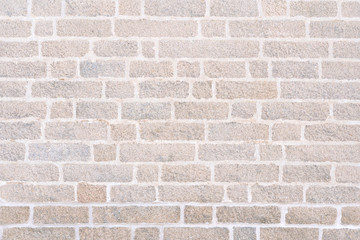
x,y
237,193
129,7
224,152
156,152
274,7
304,215
19,130
341,70
188,69
332,132
163,89
224,69
213,28
295,111
195,214
234,8
97,69
172,131
333,195
68,89
205,49
12,89
104,152
84,28
132,193
22,69
308,173
296,49
277,194
289,233
246,173
195,233
258,69
60,215
59,152
292,69
244,110
148,110
18,192
12,152
201,110
350,215
123,131
61,49
14,215
29,172
119,89
18,49
88,193
155,28
151,69
63,69
238,131
350,9
17,110
76,131
313,8
13,8
39,233
193,193
15,28
185,173
346,50
61,110
147,173
244,233
46,7
266,215
147,234
334,234
267,28
202,89
270,152
117,48
96,110
136,214
110,233
90,8
148,49
335,29
97,173
44,28
246,90
178,8
347,174
286,132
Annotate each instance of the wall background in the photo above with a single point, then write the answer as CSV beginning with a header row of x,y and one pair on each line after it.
x,y
179,119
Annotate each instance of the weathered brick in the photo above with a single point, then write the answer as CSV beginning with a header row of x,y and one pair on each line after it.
x,y
147,234
313,8
244,233
178,8
13,8
172,131
350,9
116,48
44,28
188,69
234,8
202,89
147,110
350,215
332,132
342,233
246,173
63,49
163,89
348,174
97,69
46,7
304,215
96,110
187,233
39,233
12,88
258,69
148,49
270,152
185,173
274,7
18,49
193,193
243,110
123,131
84,28
63,69
333,195
308,173
292,69
224,152
341,70
12,152
237,193
224,69
90,8
61,110
238,131
14,215
286,132
129,7
68,89
111,233
116,89
289,233
195,214
251,90
277,194
22,69
346,49
76,130
20,130
60,215
59,152
213,28
296,49
15,28
29,172
104,152
87,193
147,173
151,69
132,193
265,215
335,29
17,110
199,110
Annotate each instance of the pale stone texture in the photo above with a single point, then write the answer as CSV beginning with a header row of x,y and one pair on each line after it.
x,y
29,172
90,8
129,7
350,215
333,195
238,131
311,173
234,8
194,110
14,215
192,193
84,28
63,69
39,233
61,110
277,194
87,193
196,233
104,152
188,69
59,214
334,234
188,8
111,233
147,234
289,233
264,215
334,29
147,173
303,215
171,131
15,28
223,152
202,89
245,233
274,7
59,152
348,174
246,173
12,152
13,8
185,173
313,8
126,193
163,89
350,9
246,90
198,214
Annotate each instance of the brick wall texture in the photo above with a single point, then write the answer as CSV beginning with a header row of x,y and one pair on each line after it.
x,y
180,119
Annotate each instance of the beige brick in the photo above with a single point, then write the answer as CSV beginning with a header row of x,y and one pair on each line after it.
x,y
258,69
244,233
87,193
202,89
332,132
155,28
304,215
18,192
63,49
185,173
22,69
295,111
118,48
335,29
90,8
341,70
147,234
76,130
286,132
238,131
18,49
61,110
68,89
12,152
132,193
96,110
39,233
308,173
270,152
277,194
63,69
44,28
148,49
292,69
178,8
334,234
129,7
224,152
188,69
12,89
350,215
296,49
163,89
252,90
29,172
19,130
13,8
104,152
60,214
97,173
234,8
193,193
147,173
350,9
237,193
116,89
17,110
172,131
246,173
123,131
46,7
146,110
213,28
265,215
84,28
273,7
151,69
195,233
267,28
205,49
98,69
333,195
59,152
224,69
289,233
201,110
346,49
313,8
111,233
348,174
195,214
15,28
137,214
14,215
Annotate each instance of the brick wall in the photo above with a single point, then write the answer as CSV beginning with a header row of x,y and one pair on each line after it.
x,y
180,119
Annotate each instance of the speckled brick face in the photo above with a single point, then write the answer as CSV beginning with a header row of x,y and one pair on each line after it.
x,y
179,119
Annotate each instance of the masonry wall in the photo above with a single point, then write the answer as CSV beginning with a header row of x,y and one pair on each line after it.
x,y
180,119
